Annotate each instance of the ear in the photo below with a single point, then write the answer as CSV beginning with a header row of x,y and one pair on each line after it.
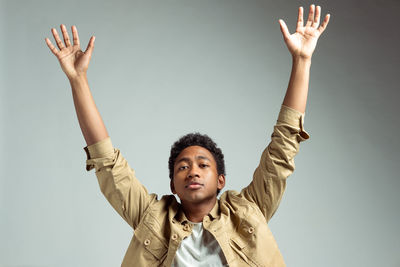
x,y
221,181
171,185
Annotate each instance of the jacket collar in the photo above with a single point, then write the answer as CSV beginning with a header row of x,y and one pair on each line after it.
x,y
181,218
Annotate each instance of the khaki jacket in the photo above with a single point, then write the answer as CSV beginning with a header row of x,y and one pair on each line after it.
x,y
238,220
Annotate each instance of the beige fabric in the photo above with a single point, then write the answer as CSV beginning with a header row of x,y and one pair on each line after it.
x,y
238,221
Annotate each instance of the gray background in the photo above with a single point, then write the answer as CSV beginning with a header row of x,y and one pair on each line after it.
x,y
161,69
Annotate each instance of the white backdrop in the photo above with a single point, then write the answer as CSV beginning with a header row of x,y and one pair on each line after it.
x,y
161,69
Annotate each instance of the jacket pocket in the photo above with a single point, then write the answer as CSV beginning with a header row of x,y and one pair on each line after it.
x,y
237,245
154,247
245,241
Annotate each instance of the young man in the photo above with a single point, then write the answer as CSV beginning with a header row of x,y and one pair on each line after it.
x,y
203,230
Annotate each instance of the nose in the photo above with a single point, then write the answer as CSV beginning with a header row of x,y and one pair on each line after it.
x,y
193,172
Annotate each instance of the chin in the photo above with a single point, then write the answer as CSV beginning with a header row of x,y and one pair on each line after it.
x,y
198,198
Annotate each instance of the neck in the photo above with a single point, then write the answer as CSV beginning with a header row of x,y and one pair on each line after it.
x,y
195,212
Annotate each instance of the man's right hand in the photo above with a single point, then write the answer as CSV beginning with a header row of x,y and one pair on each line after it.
x,y
74,62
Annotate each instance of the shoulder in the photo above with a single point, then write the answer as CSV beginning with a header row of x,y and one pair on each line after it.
x,y
235,200
166,202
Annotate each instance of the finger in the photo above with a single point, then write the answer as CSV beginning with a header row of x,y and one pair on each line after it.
x,y
51,46
300,22
57,38
284,29
310,16
90,46
322,28
317,16
75,35
65,35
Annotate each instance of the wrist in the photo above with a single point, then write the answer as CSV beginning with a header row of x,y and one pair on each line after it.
x,y
301,60
77,78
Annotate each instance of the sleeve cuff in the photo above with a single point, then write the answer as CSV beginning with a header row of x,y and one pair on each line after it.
x,y
294,118
101,149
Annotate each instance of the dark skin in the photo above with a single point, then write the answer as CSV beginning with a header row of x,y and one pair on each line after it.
x,y
196,182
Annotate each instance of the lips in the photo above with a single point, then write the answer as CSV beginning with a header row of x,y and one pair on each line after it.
x,y
193,185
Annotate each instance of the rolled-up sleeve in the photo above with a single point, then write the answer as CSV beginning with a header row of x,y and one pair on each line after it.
x,y
277,162
118,182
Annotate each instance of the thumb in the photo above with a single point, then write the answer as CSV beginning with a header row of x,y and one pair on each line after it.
x,y
90,46
284,29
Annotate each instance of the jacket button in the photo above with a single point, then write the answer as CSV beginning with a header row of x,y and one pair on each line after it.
x,y
174,236
147,242
251,230
186,227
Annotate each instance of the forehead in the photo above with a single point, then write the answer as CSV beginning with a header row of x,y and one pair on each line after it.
x,y
193,152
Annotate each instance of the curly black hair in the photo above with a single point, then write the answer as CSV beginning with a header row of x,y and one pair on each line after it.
x,y
196,139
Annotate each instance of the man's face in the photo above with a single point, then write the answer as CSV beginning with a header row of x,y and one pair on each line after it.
x,y
195,176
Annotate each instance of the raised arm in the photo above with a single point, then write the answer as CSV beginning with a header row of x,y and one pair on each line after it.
x,y
74,62
277,160
301,45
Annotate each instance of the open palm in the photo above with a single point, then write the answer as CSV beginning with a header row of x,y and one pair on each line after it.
x,y
74,62
303,42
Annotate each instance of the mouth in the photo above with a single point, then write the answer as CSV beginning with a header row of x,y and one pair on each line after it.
x,y
194,186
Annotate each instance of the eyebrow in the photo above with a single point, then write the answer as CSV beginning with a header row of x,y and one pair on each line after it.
x,y
187,159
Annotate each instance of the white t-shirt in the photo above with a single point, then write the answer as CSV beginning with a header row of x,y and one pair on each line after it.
x,y
199,249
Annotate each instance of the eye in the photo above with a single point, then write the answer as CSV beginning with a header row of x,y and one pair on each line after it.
x,y
203,165
182,167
